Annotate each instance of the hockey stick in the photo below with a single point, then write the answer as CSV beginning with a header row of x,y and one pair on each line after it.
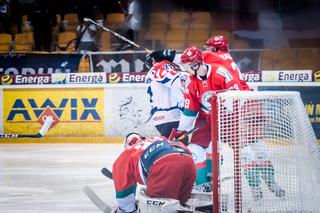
x,y
97,200
117,35
191,131
104,207
45,127
125,39
106,172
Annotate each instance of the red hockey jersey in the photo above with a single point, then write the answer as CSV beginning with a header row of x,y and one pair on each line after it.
x,y
198,92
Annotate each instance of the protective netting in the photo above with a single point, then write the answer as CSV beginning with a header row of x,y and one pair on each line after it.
x,y
270,150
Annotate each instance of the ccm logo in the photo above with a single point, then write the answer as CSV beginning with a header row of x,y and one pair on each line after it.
x,y
155,202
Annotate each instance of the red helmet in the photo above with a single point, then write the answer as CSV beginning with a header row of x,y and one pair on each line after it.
x,y
191,55
219,43
132,139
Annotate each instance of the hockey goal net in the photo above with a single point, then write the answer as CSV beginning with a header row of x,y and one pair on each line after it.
x,y
269,159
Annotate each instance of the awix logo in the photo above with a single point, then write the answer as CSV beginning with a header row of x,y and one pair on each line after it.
x,y
63,110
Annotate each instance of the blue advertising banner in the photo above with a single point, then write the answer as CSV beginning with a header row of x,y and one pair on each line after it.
x,y
311,99
134,62
119,62
25,64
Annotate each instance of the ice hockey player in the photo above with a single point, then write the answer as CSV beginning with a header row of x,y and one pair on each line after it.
x,y
217,51
165,93
204,80
166,168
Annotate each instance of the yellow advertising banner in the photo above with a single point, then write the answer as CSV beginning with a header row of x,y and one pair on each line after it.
x,y
75,112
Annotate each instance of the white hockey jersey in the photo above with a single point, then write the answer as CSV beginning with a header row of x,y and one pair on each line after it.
x,y
165,94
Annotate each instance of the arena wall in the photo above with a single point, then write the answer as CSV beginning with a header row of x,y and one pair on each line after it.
x,y
105,112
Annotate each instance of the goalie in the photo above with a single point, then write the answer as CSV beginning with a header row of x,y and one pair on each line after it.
x,y
166,168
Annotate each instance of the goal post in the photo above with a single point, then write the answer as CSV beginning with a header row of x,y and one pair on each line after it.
x,y
269,148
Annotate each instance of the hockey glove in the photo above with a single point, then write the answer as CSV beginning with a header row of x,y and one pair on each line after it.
x,y
149,61
177,135
160,55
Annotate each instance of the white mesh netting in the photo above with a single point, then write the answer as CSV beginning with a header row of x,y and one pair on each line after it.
x,y
271,159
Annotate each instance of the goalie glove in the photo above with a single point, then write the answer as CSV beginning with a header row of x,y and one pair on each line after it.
x,y
177,135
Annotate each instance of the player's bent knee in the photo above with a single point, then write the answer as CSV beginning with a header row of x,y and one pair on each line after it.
x,y
198,153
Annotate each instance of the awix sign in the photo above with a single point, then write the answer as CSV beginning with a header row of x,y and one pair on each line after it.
x,y
26,64
72,110
119,62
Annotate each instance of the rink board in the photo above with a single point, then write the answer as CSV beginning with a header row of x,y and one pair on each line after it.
x,y
104,111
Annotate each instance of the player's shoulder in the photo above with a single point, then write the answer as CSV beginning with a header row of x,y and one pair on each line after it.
x,y
218,69
209,54
211,57
164,65
163,70
216,57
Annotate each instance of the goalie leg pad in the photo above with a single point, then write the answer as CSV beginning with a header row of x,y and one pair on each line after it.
x,y
156,205
268,176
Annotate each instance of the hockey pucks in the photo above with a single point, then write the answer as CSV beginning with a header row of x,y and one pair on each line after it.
x,y
114,78
6,79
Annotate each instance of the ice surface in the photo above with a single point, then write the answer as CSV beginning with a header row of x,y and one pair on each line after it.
x,y
49,178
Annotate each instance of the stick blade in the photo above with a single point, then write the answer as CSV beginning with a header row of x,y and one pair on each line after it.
x,y
106,172
46,126
96,200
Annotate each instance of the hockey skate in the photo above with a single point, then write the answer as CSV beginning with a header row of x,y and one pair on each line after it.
x,y
204,187
256,193
277,190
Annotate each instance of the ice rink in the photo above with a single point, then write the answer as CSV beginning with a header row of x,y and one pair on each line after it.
x,y
49,178
38,178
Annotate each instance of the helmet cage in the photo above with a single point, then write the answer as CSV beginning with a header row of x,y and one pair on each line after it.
x,y
132,139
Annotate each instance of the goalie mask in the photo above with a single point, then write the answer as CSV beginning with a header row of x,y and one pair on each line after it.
x,y
217,43
192,60
132,139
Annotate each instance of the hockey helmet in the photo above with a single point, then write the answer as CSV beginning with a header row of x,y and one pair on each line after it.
x,y
218,43
132,139
192,59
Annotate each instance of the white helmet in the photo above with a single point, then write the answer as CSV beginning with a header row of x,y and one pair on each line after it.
x,y
132,139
